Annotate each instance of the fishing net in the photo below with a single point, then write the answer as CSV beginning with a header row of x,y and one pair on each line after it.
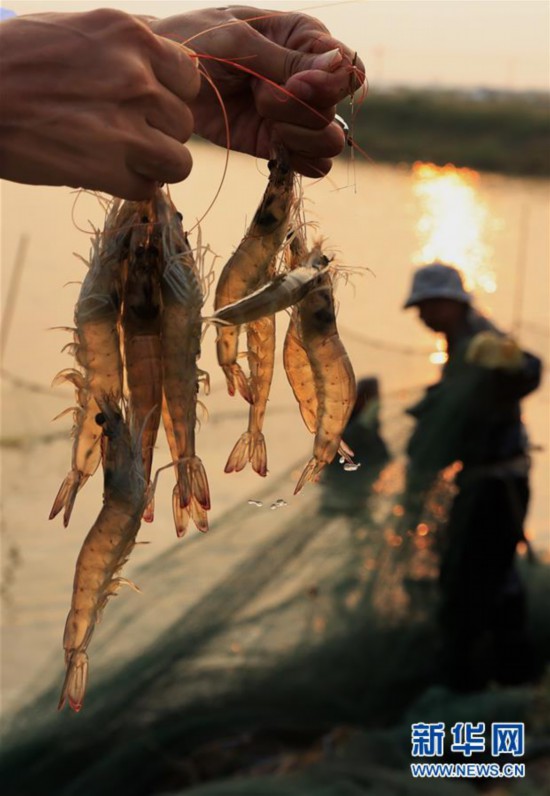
x,y
286,653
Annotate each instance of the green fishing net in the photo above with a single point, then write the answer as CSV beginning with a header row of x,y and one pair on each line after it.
x,y
284,654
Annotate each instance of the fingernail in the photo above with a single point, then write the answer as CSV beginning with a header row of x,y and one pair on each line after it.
x,y
328,61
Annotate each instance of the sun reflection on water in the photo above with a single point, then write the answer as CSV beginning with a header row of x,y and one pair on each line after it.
x,y
453,223
453,228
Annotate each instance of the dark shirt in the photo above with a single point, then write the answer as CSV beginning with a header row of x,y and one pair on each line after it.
x,y
473,413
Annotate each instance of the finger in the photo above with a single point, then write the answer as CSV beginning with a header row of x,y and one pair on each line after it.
x,y
298,105
320,89
158,157
174,68
121,182
316,167
131,186
313,144
170,115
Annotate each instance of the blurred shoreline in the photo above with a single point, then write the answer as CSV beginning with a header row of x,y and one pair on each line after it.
x,y
507,132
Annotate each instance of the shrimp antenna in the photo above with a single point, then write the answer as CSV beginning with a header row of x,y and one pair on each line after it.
x,y
204,73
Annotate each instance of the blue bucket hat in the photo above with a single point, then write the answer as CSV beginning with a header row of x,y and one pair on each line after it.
x,y
437,281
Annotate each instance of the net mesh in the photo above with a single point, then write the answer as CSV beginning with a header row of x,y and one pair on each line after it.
x,y
296,667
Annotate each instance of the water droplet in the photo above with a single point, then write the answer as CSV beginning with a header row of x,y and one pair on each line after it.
x,y
342,459
274,506
281,502
255,503
350,467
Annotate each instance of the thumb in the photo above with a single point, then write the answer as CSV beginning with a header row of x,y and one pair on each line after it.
x,y
279,63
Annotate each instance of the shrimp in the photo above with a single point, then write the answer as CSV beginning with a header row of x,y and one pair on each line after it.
x,y
295,359
107,545
182,299
283,291
97,351
246,269
141,325
316,333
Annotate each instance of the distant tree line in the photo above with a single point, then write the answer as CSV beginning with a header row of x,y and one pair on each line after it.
x,y
488,131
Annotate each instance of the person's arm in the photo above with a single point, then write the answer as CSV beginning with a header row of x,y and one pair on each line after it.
x,y
516,384
94,100
516,373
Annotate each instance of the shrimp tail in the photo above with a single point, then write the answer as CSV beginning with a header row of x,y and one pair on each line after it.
x,y
250,447
199,515
149,513
76,678
191,495
199,483
65,498
310,473
181,514
235,376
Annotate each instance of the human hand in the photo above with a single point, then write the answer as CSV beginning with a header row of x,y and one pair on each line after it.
x,y
94,100
491,350
292,50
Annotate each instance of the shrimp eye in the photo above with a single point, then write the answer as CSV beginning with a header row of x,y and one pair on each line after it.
x,y
144,220
271,164
100,419
179,215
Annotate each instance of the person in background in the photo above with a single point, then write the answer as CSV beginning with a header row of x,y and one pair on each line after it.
x,y
105,100
347,491
472,415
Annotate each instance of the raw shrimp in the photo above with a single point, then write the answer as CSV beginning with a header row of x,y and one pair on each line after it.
x,y
182,300
333,375
141,325
246,269
107,545
283,291
97,351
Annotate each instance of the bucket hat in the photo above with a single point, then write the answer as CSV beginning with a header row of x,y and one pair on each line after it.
x,y
437,280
